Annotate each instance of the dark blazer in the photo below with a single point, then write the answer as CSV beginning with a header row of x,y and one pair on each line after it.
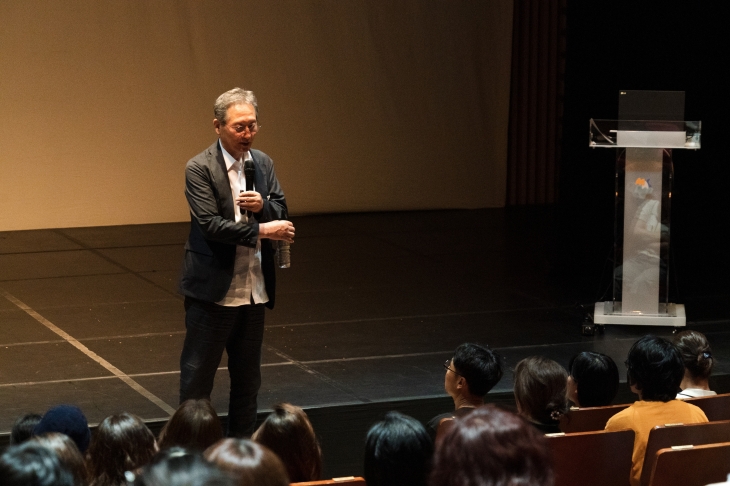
x,y
211,247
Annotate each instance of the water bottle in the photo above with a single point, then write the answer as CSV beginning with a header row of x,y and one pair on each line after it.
x,y
283,254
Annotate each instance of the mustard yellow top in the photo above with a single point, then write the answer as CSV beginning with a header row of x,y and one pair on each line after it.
x,y
643,416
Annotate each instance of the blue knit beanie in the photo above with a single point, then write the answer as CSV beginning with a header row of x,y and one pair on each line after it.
x,y
69,420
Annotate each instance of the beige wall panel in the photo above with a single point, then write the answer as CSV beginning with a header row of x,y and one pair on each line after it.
x,y
364,105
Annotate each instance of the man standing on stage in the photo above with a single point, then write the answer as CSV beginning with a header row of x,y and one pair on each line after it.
x,y
228,271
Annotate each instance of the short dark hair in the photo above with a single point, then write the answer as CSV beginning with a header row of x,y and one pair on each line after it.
x,y
178,466
596,376
492,446
23,428
289,434
122,442
67,452
31,464
398,451
195,424
655,367
540,389
480,366
248,462
696,353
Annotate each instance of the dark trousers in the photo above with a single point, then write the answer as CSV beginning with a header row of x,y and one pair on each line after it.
x,y
210,329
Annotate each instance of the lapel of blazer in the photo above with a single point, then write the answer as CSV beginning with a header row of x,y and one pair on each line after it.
x,y
220,178
259,181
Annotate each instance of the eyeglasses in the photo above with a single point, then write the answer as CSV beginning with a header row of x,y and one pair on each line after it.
x,y
251,127
446,366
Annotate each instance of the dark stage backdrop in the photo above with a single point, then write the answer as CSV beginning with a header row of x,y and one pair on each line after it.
x,y
365,105
669,45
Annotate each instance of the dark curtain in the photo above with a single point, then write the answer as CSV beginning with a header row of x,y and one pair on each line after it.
x,y
536,101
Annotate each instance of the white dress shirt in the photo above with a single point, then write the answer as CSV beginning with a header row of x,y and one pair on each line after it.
x,y
247,284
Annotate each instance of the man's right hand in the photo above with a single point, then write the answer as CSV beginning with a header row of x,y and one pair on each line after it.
x,y
277,230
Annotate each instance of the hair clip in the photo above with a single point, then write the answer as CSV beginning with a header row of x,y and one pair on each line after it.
x,y
706,355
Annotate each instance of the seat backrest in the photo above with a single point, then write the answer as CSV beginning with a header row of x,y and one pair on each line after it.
x,y
666,436
691,465
716,407
340,481
589,418
597,458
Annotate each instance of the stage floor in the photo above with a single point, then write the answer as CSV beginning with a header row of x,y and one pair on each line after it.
x,y
371,307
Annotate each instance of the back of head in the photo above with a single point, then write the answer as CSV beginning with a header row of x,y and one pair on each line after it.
x,y
31,464
540,389
122,442
655,367
250,463
596,376
177,466
289,434
398,451
69,420
480,366
67,452
23,428
492,447
696,353
195,424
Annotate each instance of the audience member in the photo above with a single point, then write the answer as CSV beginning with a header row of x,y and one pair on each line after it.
x,y
67,452
69,420
195,424
23,428
31,464
251,464
655,370
540,392
698,362
177,466
289,434
122,442
592,379
398,451
491,447
470,374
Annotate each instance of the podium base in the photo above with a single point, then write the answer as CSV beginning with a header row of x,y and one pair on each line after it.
x,y
678,319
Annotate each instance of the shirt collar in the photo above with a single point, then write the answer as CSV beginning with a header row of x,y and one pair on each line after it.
x,y
229,159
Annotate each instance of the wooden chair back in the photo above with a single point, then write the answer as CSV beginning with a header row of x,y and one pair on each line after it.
x,y
348,480
691,465
716,407
589,418
666,436
597,458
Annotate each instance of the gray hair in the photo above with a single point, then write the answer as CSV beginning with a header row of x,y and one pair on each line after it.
x,y
233,97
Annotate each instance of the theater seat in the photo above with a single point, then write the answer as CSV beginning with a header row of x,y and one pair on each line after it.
x,y
666,436
716,407
341,481
596,458
691,465
589,418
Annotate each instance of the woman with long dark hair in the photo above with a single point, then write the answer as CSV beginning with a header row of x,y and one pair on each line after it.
x,y
289,434
251,464
122,442
195,425
540,392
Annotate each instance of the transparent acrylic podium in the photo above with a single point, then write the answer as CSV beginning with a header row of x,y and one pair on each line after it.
x,y
644,175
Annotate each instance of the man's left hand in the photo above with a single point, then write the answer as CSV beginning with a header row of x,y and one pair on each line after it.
x,y
250,201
